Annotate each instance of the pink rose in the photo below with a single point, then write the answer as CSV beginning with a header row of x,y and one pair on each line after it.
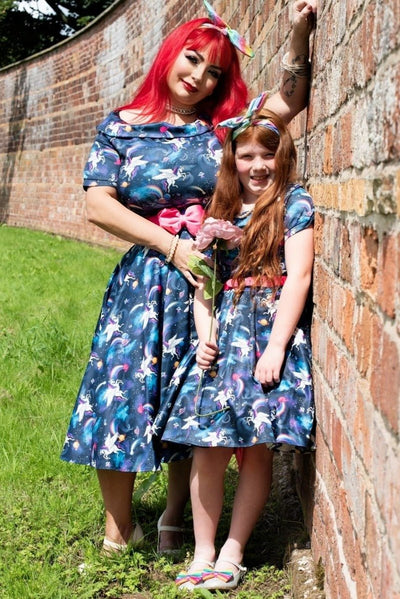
x,y
214,228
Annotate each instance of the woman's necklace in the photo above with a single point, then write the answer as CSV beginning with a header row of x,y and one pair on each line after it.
x,y
178,110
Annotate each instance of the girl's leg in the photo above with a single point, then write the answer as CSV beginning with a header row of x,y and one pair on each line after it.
x,y
250,497
207,495
177,498
117,488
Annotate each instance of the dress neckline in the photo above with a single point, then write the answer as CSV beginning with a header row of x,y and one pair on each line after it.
x,y
114,126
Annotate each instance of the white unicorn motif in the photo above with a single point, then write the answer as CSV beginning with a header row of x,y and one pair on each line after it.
x,y
109,445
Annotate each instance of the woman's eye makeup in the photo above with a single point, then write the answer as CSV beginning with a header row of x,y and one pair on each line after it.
x,y
194,59
215,74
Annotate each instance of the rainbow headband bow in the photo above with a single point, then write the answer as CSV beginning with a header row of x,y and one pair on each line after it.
x,y
234,36
241,123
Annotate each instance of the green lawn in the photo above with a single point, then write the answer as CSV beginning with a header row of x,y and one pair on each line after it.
x,y
51,512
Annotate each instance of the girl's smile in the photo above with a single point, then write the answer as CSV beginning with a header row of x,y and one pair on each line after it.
x,y
256,169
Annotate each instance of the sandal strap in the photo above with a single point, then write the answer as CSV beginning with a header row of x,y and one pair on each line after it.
x,y
165,528
227,575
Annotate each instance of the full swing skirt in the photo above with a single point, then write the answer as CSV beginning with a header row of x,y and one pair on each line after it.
x,y
143,331
231,408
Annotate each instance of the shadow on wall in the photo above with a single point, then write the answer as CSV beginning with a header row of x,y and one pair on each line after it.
x,y
16,139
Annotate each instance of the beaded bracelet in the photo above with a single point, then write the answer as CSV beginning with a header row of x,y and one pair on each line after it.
x,y
172,249
298,70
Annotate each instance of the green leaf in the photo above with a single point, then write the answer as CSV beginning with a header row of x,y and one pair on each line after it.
x,y
145,486
200,267
212,288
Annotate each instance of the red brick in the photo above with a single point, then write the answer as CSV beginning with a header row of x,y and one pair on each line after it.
x,y
388,273
369,259
373,547
363,338
328,150
385,379
346,251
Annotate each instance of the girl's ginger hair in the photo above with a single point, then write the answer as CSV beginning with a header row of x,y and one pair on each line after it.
x,y
264,233
230,94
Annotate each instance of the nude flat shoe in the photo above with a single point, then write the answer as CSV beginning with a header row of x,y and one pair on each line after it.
x,y
136,537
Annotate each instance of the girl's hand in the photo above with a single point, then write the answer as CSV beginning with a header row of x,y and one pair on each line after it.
x,y
303,16
206,354
184,249
268,368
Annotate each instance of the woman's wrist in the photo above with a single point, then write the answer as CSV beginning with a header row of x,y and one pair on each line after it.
x,y
172,249
299,65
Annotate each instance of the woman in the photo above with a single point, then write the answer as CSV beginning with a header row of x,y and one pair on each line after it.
x,y
150,171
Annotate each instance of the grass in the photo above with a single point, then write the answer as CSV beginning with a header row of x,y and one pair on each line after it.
x,y
52,516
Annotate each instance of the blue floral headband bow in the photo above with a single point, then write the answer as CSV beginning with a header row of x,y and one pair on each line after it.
x,y
241,123
234,36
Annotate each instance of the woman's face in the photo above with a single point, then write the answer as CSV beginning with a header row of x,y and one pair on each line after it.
x,y
256,169
192,77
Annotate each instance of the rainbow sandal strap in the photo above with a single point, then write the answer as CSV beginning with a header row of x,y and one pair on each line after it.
x,y
194,578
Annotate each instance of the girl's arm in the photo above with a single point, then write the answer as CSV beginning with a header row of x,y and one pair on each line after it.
x,y
207,349
105,211
299,256
293,94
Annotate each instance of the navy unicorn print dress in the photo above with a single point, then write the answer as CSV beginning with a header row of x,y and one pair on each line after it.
x,y
146,325
231,408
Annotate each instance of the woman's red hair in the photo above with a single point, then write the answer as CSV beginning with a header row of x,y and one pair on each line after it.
x,y
230,95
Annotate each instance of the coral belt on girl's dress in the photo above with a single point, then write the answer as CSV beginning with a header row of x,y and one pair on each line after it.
x,y
252,282
173,220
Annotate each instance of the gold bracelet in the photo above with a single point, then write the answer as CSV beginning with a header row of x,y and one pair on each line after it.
x,y
172,249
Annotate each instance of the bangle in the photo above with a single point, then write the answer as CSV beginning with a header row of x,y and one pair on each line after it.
x,y
298,70
172,249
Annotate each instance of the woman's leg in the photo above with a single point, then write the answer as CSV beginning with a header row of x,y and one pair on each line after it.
x,y
250,497
177,498
207,495
117,488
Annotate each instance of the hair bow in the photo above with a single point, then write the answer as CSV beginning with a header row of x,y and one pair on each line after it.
x,y
234,36
241,123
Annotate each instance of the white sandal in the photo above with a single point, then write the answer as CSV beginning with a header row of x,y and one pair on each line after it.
x,y
136,537
165,528
225,579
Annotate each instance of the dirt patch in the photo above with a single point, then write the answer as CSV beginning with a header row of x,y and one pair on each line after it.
x,y
306,577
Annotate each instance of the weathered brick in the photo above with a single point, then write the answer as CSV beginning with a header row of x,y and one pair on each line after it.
x,y
385,379
388,268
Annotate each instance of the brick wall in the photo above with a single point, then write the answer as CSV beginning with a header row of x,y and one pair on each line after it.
x,y
50,105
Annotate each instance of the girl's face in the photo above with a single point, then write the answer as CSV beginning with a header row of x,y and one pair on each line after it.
x,y
192,77
256,169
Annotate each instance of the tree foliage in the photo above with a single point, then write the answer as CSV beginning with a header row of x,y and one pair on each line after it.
x,y
24,32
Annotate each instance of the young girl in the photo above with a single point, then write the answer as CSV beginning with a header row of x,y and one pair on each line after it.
x,y
256,391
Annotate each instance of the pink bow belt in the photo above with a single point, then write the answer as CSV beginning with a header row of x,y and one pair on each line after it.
x,y
250,282
173,220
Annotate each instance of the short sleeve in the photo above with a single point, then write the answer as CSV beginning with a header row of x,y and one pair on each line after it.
x,y
103,163
299,211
